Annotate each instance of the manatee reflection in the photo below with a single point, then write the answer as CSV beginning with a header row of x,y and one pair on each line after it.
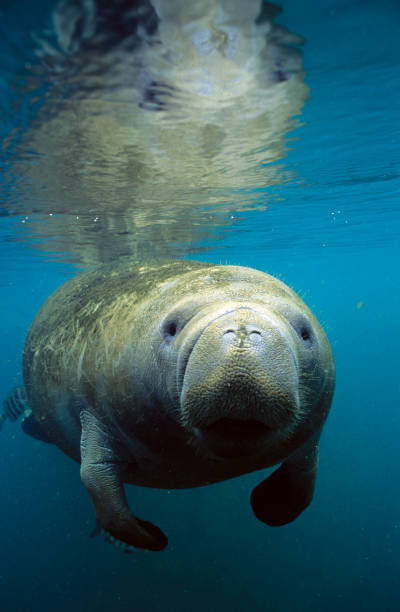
x,y
160,121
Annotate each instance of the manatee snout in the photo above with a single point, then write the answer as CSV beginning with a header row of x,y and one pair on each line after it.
x,y
240,383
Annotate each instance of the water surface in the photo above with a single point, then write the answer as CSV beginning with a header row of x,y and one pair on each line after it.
x,y
314,202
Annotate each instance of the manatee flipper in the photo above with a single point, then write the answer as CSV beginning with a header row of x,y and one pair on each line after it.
x,y
96,530
283,496
15,405
101,474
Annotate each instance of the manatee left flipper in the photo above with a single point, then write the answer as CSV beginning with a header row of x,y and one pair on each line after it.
x,y
283,496
101,475
16,405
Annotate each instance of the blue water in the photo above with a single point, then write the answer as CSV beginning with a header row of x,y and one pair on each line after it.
x,y
331,232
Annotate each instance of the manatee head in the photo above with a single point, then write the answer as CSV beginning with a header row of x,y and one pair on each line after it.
x,y
243,361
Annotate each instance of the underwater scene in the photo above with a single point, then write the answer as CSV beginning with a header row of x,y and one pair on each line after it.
x,y
164,157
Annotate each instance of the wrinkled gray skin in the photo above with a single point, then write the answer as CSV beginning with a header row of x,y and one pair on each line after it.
x,y
180,375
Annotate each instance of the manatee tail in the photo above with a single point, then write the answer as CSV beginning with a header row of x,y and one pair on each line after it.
x,y
15,406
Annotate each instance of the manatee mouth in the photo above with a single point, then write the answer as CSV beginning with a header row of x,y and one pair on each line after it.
x,y
235,438
234,429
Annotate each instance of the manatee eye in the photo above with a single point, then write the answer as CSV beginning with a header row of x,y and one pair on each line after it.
x,y
302,328
170,329
177,319
305,334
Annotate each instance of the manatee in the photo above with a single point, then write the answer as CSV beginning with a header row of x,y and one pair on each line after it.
x,y
180,374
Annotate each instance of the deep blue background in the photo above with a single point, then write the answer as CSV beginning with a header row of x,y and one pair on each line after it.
x,y
344,551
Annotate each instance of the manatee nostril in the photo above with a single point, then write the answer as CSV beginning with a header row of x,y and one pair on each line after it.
x,y
255,337
253,334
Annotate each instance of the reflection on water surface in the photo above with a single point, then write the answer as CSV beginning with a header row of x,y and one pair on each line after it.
x,y
158,123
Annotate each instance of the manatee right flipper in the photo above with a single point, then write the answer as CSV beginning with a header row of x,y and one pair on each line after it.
x,y
101,475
